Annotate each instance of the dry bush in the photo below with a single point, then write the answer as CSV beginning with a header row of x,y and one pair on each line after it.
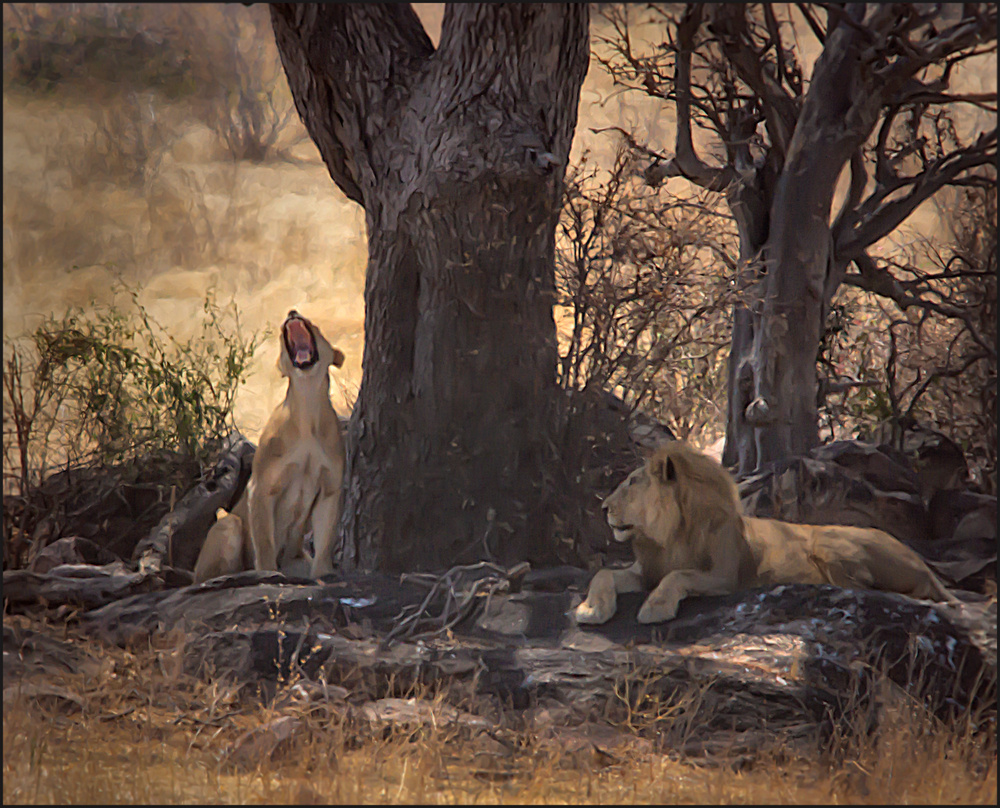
x,y
932,364
644,279
111,389
51,45
223,57
246,100
125,147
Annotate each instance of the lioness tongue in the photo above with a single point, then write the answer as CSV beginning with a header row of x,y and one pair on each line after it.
x,y
299,342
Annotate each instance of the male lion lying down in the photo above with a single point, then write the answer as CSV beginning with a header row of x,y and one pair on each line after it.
x,y
682,512
297,472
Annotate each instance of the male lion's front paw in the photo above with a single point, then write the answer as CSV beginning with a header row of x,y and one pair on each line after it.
x,y
594,613
653,611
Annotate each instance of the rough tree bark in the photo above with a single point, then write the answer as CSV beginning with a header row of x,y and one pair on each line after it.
x,y
878,62
457,156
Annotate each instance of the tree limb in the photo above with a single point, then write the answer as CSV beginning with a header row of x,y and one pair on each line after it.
x,y
686,162
346,63
890,215
881,282
859,180
780,109
515,40
813,23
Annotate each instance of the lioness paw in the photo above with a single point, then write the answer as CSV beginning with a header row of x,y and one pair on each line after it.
x,y
593,614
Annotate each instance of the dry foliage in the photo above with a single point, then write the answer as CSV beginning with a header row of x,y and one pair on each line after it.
x,y
932,361
645,284
221,57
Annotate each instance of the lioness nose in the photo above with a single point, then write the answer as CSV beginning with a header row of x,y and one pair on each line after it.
x,y
604,507
293,313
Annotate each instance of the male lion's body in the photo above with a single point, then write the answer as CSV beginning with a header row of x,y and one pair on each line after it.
x,y
681,510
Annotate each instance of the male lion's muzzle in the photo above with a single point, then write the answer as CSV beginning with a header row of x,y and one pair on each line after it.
x,y
621,532
296,333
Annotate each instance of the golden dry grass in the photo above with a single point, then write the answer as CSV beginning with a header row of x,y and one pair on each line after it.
x,y
141,731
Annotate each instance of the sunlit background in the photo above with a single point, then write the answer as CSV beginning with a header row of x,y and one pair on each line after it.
x,y
123,159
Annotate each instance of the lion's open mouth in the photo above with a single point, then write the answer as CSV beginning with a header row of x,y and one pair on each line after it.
x,y
622,528
299,342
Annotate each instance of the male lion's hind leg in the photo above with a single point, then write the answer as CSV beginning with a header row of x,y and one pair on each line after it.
x,y
602,596
663,601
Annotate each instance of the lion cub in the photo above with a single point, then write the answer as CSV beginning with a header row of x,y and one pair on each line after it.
x,y
297,472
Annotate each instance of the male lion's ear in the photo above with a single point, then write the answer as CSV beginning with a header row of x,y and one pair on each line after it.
x,y
338,357
663,469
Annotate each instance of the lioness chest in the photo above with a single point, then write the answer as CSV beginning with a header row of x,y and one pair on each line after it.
x,y
297,470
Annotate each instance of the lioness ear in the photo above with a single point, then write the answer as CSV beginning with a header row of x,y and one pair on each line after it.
x,y
338,357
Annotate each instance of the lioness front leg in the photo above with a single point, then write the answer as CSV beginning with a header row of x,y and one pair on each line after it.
x,y
602,596
324,520
663,601
265,554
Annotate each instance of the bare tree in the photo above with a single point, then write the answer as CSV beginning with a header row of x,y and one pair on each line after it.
x,y
877,100
458,156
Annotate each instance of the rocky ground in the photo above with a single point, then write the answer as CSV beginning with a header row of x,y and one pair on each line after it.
x,y
730,675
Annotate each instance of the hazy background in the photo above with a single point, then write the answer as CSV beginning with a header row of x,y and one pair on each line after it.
x,y
269,236
108,176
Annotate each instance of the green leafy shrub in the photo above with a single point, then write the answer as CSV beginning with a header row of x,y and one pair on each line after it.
x,y
109,384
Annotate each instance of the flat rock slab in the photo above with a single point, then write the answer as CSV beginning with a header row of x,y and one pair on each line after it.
x,y
793,660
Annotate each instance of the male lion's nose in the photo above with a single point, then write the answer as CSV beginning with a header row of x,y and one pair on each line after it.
x,y
293,313
604,507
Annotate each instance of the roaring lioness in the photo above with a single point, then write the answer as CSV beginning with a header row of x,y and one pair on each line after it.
x,y
682,512
297,472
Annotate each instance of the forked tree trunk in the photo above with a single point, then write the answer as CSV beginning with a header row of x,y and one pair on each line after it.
x,y
784,222
458,157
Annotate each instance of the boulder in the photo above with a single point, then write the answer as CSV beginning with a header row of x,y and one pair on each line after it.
x,y
846,485
70,550
779,660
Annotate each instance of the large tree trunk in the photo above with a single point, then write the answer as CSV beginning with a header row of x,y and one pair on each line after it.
x,y
458,158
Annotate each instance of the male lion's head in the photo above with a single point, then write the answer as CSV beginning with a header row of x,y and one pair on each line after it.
x,y
304,349
676,490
